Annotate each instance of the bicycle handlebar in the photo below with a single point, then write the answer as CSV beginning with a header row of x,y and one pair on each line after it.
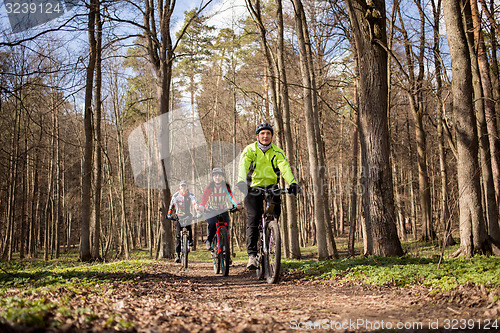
x,y
275,191
186,217
231,210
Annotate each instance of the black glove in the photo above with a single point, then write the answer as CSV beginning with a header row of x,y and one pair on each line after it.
x,y
294,189
243,187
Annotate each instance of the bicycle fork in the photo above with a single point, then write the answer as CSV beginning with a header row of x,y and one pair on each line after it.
x,y
263,237
185,233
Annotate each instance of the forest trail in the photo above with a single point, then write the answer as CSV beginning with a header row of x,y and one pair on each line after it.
x,y
167,298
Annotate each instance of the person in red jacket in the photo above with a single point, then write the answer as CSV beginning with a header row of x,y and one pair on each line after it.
x,y
216,200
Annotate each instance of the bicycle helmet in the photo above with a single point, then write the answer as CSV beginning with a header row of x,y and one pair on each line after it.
x,y
263,127
217,171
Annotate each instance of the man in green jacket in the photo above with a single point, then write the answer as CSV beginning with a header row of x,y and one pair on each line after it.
x,y
261,165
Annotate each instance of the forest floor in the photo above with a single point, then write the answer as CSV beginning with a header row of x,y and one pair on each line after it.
x,y
163,297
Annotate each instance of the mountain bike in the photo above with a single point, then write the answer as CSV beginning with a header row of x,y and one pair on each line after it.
x,y
269,243
220,247
184,221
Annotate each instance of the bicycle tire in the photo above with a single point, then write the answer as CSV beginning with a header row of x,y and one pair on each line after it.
x,y
185,250
224,255
260,272
215,255
273,256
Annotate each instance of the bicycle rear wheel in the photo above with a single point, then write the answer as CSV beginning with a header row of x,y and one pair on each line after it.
x,y
185,250
261,267
273,257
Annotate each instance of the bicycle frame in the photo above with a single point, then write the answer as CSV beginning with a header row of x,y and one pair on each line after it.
x,y
184,222
267,216
220,244
220,223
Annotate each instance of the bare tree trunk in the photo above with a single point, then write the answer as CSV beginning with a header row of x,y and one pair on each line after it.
x,y
25,201
85,254
491,172
471,214
48,212
489,201
370,36
415,95
35,200
489,207
354,195
341,181
161,55
11,199
332,248
445,212
96,242
58,185
291,203
125,247
494,27
318,190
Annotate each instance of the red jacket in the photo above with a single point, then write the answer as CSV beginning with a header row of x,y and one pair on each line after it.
x,y
218,198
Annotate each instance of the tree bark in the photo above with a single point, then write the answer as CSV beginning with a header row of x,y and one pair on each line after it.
x,y
354,195
96,242
489,132
161,55
370,37
415,95
317,188
445,212
471,213
85,254
332,247
291,203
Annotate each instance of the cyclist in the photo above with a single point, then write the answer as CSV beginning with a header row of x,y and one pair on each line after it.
x,y
182,202
218,198
261,165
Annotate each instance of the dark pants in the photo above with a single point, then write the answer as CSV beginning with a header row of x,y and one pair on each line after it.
x,y
212,225
254,204
179,235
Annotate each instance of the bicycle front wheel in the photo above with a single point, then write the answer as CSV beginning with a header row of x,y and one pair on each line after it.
x,y
261,266
185,250
273,257
224,254
215,255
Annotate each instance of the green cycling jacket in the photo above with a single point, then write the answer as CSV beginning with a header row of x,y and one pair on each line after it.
x,y
264,168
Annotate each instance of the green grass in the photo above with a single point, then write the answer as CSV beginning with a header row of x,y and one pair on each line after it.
x,y
39,294
418,267
404,271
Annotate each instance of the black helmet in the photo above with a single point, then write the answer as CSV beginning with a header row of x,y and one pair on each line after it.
x,y
263,127
217,171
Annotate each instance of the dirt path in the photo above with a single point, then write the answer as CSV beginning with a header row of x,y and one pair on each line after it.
x,y
168,298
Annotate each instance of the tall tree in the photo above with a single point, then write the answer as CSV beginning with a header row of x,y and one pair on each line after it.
x,y
320,146
369,32
308,90
96,234
291,203
85,251
471,212
491,140
160,48
417,105
445,211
